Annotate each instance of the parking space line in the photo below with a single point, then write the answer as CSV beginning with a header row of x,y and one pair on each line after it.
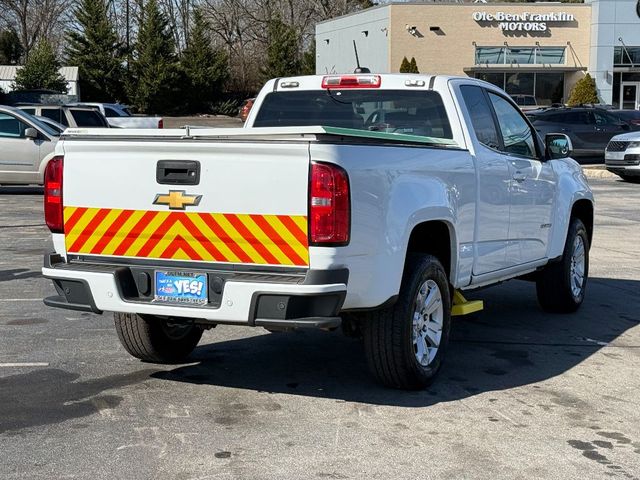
x,y
20,299
24,364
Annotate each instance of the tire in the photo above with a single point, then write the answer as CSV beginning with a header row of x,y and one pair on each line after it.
x,y
630,178
155,340
391,344
554,284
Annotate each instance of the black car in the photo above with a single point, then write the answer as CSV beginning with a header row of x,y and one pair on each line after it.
x,y
632,117
590,129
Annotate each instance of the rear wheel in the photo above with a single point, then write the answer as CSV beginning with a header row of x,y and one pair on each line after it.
x,y
154,339
561,285
405,344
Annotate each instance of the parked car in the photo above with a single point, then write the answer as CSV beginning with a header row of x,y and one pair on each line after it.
x,y
26,146
305,226
58,127
69,116
622,156
526,102
589,129
245,108
120,116
632,117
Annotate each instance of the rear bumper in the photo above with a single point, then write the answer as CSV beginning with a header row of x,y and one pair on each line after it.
x,y
309,298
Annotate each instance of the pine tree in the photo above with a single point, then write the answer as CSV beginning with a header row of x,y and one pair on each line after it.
x,y
405,66
95,48
413,66
584,91
41,71
282,50
205,68
154,67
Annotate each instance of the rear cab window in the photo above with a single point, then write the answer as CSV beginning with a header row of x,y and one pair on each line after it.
x,y
390,111
110,112
87,118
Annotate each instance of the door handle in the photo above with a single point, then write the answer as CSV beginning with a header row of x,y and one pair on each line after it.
x,y
519,177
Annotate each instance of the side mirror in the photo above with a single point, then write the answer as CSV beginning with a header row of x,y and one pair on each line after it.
x,y
31,133
558,146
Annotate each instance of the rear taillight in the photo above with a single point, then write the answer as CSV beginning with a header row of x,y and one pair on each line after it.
x,y
329,205
53,195
161,123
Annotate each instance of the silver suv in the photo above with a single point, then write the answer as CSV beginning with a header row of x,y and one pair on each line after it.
x,y
69,116
622,156
26,146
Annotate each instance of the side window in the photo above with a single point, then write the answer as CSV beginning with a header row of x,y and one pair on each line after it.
x,y
110,112
516,133
559,118
579,118
11,127
605,119
52,113
30,111
87,118
481,116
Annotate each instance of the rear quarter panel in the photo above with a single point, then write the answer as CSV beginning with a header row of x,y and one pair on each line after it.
x,y
393,189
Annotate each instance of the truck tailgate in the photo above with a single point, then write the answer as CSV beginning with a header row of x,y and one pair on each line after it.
x,y
248,207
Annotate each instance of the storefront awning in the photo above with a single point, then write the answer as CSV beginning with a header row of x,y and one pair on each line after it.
x,y
523,68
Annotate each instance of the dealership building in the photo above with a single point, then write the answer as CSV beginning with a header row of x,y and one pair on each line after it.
x,y
540,49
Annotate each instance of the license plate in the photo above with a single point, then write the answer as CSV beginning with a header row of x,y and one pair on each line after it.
x,y
181,287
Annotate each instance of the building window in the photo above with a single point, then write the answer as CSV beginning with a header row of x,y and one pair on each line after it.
x,y
520,83
520,55
550,56
495,78
624,57
547,88
489,55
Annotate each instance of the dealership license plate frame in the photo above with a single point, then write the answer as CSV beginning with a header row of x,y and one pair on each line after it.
x,y
162,279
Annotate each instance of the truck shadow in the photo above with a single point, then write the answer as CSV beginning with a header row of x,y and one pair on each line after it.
x,y
513,343
21,190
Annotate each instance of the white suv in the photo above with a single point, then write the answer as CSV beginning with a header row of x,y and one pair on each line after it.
x,y
622,156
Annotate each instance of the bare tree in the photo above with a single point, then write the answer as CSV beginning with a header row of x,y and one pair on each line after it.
x,y
36,19
241,26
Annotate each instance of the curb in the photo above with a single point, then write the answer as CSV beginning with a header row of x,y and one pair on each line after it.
x,y
597,172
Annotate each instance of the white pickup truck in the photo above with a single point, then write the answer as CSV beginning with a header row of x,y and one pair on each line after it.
x,y
363,199
119,116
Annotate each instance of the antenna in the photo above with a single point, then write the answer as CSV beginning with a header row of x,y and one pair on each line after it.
x,y
359,69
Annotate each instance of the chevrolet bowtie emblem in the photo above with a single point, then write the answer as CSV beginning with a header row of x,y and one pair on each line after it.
x,y
177,199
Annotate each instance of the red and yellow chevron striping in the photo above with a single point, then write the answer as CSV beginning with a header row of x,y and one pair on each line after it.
x,y
216,237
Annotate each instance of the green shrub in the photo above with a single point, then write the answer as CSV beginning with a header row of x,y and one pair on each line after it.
x,y
584,91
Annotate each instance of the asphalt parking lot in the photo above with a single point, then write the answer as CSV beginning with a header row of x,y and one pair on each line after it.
x,y
523,395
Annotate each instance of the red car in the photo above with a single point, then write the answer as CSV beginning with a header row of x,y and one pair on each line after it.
x,y
245,108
